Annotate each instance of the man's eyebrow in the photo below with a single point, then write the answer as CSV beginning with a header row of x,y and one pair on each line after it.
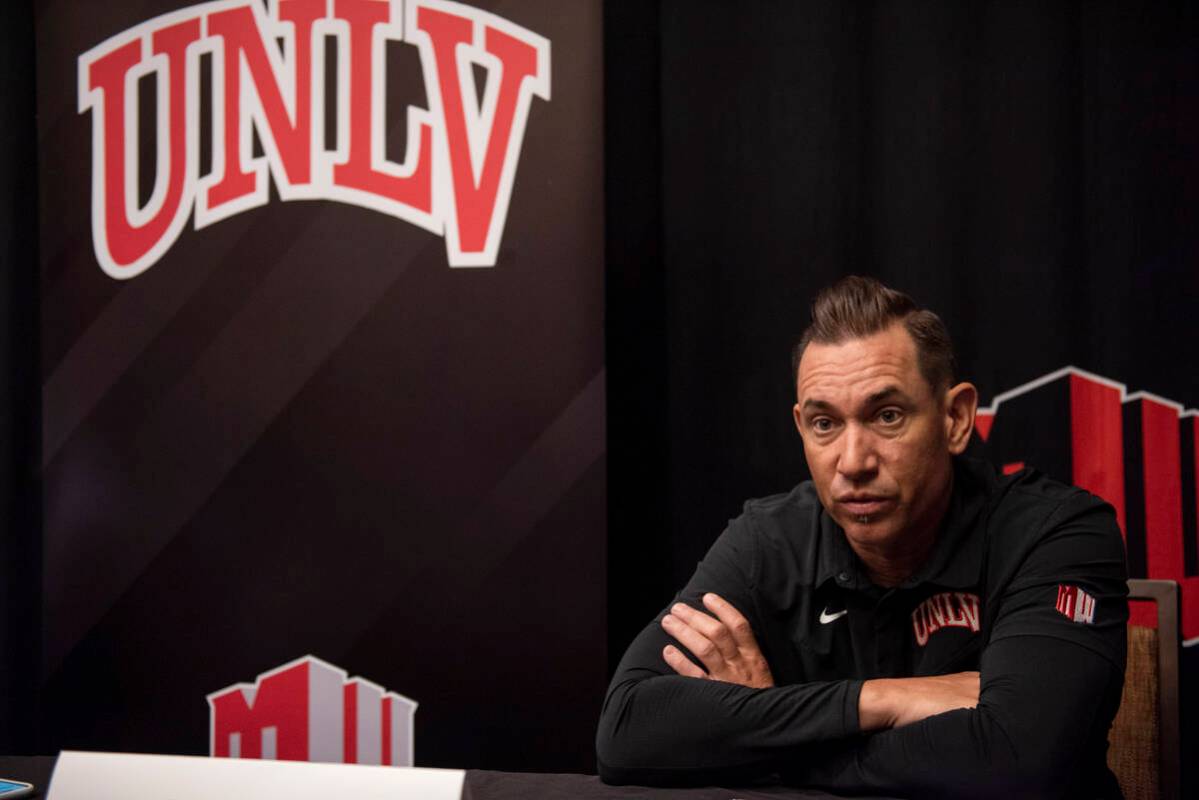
x,y
819,405
886,394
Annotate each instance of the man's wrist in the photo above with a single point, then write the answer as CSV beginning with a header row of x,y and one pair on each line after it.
x,y
895,702
876,704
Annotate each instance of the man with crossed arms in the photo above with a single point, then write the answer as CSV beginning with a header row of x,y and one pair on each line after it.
x,y
906,622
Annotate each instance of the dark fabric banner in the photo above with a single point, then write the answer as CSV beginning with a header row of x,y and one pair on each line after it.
x,y
322,375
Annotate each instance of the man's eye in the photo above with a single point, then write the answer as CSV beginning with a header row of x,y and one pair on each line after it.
x,y
889,416
822,424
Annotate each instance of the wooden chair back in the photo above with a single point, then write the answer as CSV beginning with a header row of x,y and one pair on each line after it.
x,y
1144,740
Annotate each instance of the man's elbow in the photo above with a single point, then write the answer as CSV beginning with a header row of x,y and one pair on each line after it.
x,y
620,774
619,762
636,745
625,755
1026,763
1031,777
610,752
615,754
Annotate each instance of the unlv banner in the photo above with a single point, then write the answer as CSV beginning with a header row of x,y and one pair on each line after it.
x,y
274,427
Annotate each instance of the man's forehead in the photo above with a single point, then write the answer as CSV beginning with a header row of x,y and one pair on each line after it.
x,y
860,368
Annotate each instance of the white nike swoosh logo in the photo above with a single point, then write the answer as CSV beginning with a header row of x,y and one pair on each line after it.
x,y
826,618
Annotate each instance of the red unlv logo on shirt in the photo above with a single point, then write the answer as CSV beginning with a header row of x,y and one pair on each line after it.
x,y
945,610
457,175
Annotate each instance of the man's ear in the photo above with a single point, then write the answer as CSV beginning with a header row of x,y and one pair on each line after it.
x,y
796,416
961,403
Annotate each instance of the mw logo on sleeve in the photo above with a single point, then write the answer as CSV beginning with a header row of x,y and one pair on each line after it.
x,y
1075,604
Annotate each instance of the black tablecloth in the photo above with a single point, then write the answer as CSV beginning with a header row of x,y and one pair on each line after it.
x,y
484,784
31,769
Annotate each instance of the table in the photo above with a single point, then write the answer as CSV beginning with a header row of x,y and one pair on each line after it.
x,y
490,785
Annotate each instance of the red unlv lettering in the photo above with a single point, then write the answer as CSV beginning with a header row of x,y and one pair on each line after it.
x,y
945,610
457,175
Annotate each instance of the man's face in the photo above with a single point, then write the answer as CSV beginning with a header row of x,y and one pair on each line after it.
x,y
876,437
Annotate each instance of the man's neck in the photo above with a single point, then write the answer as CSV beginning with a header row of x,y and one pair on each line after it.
x,y
890,568
891,563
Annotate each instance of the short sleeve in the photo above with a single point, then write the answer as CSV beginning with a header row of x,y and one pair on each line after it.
x,y
1072,584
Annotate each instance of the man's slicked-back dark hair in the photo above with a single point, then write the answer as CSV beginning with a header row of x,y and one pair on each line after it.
x,y
856,307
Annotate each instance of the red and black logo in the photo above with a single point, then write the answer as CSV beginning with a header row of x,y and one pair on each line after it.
x,y
307,710
268,83
945,610
1137,451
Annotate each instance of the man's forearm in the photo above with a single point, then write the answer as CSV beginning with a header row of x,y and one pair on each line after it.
x,y
662,729
1024,739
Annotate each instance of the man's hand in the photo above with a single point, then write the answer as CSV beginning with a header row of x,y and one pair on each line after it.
x,y
895,702
725,644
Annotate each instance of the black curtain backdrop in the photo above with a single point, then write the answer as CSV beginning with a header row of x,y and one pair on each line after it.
x,y
20,565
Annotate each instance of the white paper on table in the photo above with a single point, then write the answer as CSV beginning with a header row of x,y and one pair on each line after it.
x,y
123,776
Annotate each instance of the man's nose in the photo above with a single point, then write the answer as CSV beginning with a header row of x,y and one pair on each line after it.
x,y
859,459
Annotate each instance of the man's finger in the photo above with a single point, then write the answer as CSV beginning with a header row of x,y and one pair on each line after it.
x,y
711,628
675,659
733,620
699,645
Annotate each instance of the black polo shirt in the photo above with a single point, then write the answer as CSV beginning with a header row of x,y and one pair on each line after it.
x,y
1026,582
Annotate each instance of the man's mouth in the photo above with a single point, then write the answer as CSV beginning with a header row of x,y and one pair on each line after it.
x,y
864,505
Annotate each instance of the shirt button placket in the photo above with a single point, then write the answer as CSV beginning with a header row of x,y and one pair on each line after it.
x,y
880,643
884,639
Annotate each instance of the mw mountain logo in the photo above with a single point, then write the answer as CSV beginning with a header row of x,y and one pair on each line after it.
x,y
307,710
266,70
1075,604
